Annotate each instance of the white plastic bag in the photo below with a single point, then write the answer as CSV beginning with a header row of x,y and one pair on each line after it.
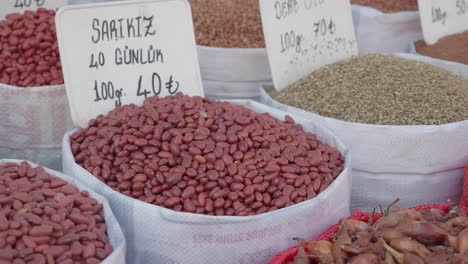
x,y
114,231
233,73
418,164
158,235
32,123
379,32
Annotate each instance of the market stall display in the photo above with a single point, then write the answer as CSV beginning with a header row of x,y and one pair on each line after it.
x,y
424,234
215,159
231,51
185,178
374,105
32,96
47,217
451,48
233,60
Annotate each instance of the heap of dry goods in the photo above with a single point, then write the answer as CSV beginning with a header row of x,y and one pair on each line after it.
x,y
29,53
228,23
382,90
389,6
203,156
452,48
43,219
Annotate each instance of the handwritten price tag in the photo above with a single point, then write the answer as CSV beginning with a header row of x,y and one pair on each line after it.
x,y
303,35
123,52
441,18
19,6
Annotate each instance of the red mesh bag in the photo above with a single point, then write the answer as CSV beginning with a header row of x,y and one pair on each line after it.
x,y
289,254
464,198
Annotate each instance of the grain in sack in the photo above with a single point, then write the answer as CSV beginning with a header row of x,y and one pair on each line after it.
x,y
454,67
450,48
450,53
33,105
389,6
231,48
48,217
396,115
211,175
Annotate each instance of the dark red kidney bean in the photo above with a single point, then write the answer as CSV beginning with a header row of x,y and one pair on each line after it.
x,y
189,206
209,206
249,200
219,203
220,194
233,196
248,190
51,220
171,202
281,201
287,190
317,183
89,251
258,197
207,157
237,186
188,193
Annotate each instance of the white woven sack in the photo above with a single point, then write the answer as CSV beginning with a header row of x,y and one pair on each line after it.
x,y
158,235
418,164
114,231
379,32
233,73
32,123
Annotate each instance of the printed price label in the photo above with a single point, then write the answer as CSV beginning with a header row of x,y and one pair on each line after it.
x,y
441,18
123,52
19,6
303,35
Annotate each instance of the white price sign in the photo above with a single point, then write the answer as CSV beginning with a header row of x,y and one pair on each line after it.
x,y
304,35
123,52
19,6
441,18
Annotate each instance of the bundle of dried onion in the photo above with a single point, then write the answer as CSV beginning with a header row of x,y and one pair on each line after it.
x,y
401,236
